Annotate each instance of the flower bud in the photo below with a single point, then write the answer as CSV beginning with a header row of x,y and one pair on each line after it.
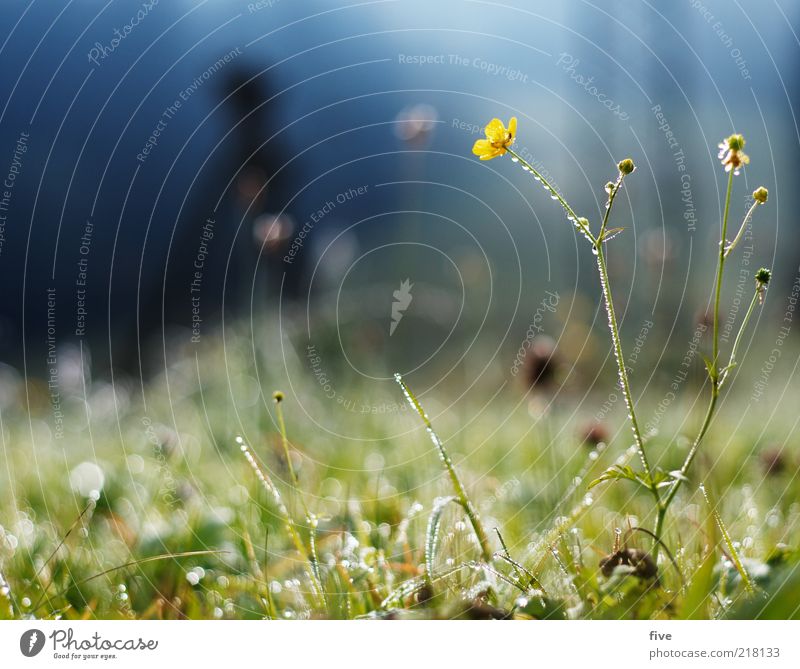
x,y
735,142
760,195
626,166
762,279
277,396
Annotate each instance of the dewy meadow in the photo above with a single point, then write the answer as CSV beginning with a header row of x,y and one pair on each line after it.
x,y
294,329
289,542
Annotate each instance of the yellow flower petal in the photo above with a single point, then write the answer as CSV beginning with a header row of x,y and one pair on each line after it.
x,y
494,153
481,147
495,131
512,127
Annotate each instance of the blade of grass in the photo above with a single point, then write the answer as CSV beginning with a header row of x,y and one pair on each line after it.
x,y
734,554
288,523
133,563
432,533
45,587
461,492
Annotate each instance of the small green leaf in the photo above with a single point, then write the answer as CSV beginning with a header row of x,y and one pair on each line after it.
x,y
710,367
615,473
609,234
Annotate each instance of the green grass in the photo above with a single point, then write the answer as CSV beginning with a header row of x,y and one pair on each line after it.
x,y
185,528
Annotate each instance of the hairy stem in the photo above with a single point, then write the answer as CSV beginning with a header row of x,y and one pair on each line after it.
x,y
745,321
713,372
571,215
458,486
612,194
687,463
615,338
720,270
609,304
742,228
623,373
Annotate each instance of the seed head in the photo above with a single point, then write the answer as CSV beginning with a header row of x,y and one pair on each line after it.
x,y
763,276
762,280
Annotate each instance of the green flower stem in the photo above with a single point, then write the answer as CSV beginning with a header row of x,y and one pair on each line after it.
x,y
458,486
609,302
662,511
745,321
615,338
720,270
742,228
618,354
571,215
713,375
610,202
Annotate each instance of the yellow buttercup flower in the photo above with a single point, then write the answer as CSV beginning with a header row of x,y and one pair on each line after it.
x,y
498,139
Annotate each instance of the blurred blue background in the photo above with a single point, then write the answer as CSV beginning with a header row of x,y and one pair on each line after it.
x,y
329,145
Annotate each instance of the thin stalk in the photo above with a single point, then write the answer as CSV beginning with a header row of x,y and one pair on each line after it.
x,y
458,486
715,390
713,374
612,318
712,405
46,586
742,228
623,374
310,518
745,321
507,555
720,270
288,522
611,196
734,554
288,456
134,563
615,338
571,215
